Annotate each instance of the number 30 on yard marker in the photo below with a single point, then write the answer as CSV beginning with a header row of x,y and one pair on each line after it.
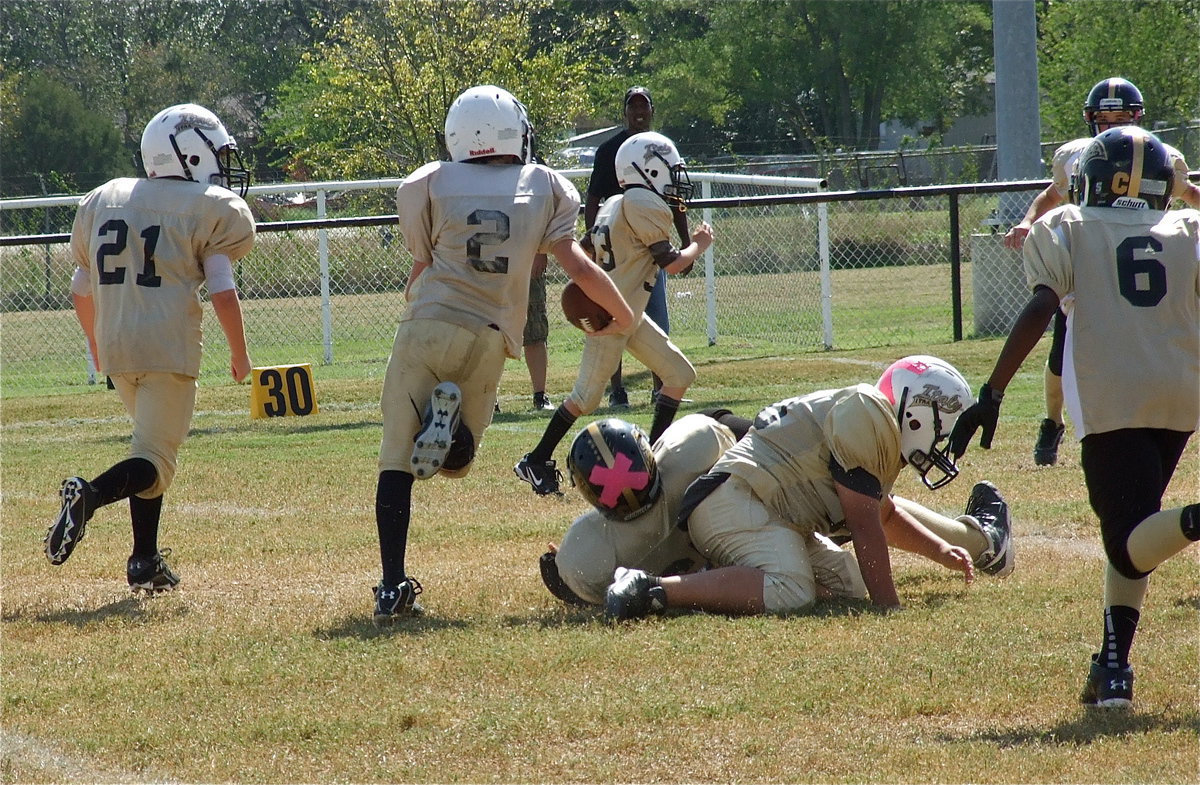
x,y
282,390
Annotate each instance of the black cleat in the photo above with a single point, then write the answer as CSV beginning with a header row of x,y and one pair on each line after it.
x,y
394,602
78,505
151,575
1045,451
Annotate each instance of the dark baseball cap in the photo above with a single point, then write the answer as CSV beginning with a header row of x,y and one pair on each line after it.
x,y
631,92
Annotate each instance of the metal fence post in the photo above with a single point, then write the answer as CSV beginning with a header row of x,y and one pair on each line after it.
x,y
323,256
826,274
710,272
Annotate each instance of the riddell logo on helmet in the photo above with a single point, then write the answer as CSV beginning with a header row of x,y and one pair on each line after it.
x,y
488,151
933,396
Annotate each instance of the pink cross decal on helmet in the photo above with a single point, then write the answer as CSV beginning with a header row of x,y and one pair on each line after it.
x,y
617,479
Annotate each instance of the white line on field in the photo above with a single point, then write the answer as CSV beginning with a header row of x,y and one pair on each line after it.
x,y
26,751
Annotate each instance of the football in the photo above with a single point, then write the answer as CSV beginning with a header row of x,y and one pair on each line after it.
x,y
582,311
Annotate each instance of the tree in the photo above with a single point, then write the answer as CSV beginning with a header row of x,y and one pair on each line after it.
x,y
372,100
797,76
52,142
1152,44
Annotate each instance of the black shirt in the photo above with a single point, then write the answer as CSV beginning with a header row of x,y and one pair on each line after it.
x,y
604,167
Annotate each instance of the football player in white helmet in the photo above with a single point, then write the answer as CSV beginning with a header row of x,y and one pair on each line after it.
x,y
473,226
632,242
190,142
1131,370
819,463
143,248
1111,103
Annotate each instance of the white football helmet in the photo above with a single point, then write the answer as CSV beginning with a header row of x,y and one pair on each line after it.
x,y
650,159
189,141
928,395
487,120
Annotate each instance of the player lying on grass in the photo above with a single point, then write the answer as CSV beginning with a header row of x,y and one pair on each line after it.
x,y
637,494
632,240
1131,370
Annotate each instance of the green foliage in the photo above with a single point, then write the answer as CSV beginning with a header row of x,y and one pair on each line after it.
x,y
54,144
796,76
373,100
1152,44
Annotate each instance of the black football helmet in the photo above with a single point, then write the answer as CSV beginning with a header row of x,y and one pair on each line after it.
x,y
611,464
1113,95
1125,167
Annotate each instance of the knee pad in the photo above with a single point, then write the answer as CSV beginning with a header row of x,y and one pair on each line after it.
x,y
1117,550
788,593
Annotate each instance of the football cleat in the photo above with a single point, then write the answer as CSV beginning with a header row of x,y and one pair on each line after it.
x,y
618,398
393,602
1108,688
633,594
541,402
544,477
437,431
1050,434
78,497
987,507
151,575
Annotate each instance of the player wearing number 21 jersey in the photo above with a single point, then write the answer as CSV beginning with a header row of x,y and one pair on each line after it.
x,y
473,226
143,248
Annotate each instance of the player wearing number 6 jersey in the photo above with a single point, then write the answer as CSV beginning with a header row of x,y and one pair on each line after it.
x,y
1131,367
473,226
143,248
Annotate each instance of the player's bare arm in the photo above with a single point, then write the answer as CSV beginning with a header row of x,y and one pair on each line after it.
x,y
702,238
85,312
864,520
1043,203
595,283
228,309
1026,332
905,532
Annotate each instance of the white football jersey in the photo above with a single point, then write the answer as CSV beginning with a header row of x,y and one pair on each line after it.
x,y
479,226
627,227
787,465
1065,166
143,243
1132,352
594,546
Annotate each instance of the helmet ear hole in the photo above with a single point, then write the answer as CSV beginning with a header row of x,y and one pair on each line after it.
x,y
193,160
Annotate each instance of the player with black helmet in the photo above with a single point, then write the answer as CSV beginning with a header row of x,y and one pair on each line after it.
x,y
1132,367
1111,103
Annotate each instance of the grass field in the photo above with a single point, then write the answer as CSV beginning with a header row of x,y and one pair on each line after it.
x,y
264,665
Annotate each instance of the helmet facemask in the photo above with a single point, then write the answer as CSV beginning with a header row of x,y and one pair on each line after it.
x,y
927,396
921,450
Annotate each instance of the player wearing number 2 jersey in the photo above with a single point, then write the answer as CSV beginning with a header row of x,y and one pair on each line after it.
x,y
473,226
143,248
1131,367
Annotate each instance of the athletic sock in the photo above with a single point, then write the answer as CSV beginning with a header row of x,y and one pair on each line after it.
x,y
144,514
665,410
393,510
130,476
1120,624
558,427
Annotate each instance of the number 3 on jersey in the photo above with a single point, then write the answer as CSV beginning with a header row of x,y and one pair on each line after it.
x,y
117,246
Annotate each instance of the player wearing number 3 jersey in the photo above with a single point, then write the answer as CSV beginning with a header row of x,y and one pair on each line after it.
x,y
143,248
473,226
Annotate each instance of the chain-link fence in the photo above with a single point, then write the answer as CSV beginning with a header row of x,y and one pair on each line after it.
x,y
790,271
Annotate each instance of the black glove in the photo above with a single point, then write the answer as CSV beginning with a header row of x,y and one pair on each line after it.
x,y
982,414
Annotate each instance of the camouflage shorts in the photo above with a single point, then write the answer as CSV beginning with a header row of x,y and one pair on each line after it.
x,y
537,328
